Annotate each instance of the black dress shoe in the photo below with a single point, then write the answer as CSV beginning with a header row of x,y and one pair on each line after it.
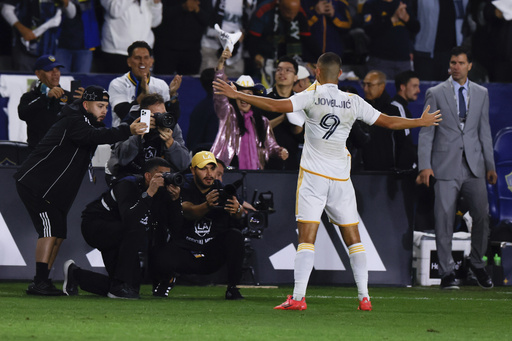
x,y
449,282
482,277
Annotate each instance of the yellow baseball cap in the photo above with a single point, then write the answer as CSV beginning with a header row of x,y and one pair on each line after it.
x,y
201,159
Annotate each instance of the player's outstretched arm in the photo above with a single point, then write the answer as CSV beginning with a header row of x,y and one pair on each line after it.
x,y
397,123
220,87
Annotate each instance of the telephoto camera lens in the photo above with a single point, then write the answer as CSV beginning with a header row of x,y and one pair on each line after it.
x,y
164,120
176,179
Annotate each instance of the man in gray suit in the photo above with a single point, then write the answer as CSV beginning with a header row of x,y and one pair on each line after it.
x,y
458,152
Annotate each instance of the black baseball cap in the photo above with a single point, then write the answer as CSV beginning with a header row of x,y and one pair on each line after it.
x,y
95,93
46,62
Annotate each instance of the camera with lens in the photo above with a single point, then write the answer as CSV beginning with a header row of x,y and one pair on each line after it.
x,y
164,120
176,179
226,193
257,221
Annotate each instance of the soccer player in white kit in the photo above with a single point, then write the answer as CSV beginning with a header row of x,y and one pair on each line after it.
x,y
324,176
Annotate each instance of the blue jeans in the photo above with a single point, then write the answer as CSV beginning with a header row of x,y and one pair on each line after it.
x,y
74,61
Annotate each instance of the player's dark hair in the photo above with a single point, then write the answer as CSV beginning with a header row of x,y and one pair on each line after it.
x,y
151,99
330,63
403,78
141,44
154,163
458,50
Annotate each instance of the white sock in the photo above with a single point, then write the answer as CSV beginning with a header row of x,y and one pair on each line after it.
x,y
304,260
357,255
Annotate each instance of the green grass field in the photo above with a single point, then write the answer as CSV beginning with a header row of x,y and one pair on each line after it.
x,y
202,313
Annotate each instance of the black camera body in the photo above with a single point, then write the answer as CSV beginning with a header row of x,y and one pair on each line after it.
x,y
176,179
164,120
257,221
226,193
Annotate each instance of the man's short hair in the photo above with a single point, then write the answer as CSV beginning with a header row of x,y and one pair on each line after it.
x,y
381,76
151,99
458,50
137,44
404,77
153,163
329,58
288,59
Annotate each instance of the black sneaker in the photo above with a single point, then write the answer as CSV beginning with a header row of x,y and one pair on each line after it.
x,y
449,282
482,277
124,291
232,293
43,288
162,288
70,286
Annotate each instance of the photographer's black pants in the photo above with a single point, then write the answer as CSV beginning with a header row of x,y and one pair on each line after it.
x,y
228,248
120,248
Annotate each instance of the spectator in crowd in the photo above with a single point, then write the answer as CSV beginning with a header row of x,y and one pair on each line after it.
x,y
325,169
245,139
231,16
128,157
126,21
379,152
277,28
127,90
442,26
178,39
49,179
303,80
359,136
329,22
207,239
79,36
456,158
120,224
391,27
40,106
36,28
491,44
204,124
407,85
288,134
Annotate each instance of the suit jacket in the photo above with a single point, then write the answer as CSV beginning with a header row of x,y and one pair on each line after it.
x,y
441,147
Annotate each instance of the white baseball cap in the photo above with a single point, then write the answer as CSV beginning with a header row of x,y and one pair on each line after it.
x,y
303,73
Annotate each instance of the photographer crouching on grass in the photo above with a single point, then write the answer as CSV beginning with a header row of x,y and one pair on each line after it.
x,y
208,238
137,210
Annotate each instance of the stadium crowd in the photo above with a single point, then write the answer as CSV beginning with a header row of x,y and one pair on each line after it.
x,y
280,42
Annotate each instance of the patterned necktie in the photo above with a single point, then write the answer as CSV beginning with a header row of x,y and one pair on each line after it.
x,y
462,104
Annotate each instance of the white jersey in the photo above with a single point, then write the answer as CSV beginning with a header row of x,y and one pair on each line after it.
x,y
122,89
330,114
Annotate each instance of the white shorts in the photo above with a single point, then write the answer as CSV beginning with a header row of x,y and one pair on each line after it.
x,y
316,193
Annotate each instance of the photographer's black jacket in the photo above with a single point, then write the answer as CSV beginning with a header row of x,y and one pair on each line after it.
x,y
55,169
124,202
195,234
40,112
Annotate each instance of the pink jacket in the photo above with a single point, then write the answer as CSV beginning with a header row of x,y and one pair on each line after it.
x,y
227,142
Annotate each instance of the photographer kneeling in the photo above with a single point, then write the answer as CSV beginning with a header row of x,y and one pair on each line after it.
x,y
121,223
207,239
